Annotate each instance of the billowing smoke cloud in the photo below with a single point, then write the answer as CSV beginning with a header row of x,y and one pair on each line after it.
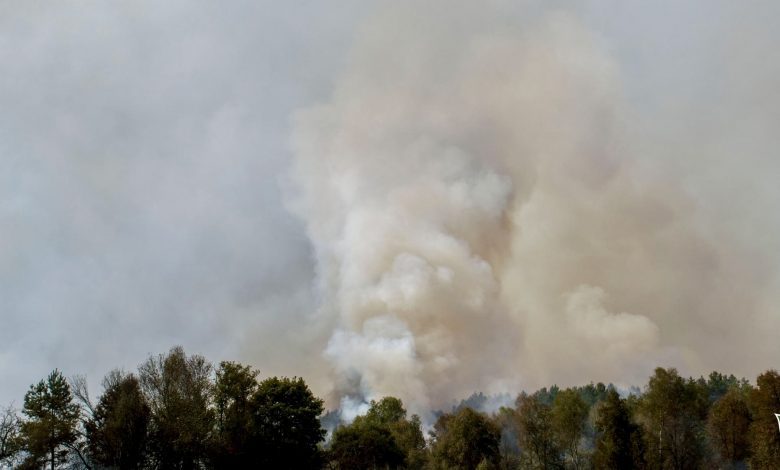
x,y
484,217
489,195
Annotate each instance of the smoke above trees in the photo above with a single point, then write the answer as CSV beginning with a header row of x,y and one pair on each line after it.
x,y
484,216
390,198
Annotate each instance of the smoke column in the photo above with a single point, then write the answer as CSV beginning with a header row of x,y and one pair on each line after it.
x,y
482,220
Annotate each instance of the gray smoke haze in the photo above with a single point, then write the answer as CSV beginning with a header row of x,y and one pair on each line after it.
x,y
390,198
141,149
488,214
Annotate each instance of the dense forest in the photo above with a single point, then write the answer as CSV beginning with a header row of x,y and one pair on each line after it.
x,y
178,411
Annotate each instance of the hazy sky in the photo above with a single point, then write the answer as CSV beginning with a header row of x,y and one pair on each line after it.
x,y
170,173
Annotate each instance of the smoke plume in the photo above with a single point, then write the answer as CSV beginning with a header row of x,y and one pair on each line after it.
x,y
483,217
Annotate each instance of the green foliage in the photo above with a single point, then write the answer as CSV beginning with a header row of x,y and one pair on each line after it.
x,y
537,436
764,435
464,440
178,414
389,413
117,433
52,416
593,393
619,443
234,389
673,411
728,425
386,411
506,420
178,391
285,424
364,445
389,439
569,417
718,384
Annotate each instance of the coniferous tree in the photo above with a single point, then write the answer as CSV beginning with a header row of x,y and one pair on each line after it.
x,y
49,432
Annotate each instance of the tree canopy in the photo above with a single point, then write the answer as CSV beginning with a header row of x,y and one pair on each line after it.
x,y
179,412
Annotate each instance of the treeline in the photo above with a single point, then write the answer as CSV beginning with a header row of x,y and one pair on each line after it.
x,y
180,412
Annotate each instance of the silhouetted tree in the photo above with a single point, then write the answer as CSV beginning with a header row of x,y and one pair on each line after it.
x,y
10,426
117,433
234,389
178,390
286,429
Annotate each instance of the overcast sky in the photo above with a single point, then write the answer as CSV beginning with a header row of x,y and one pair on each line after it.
x,y
145,155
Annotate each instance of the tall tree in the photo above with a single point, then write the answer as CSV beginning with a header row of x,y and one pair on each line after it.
x,y
117,433
619,443
537,437
728,425
464,440
286,427
178,391
49,431
764,433
569,418
235,386
674,412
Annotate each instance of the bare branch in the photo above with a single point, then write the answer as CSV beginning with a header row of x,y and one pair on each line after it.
x,y
80,390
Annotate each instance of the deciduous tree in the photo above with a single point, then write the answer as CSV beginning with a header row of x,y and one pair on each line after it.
x,y
464,440
569,418
286,428
117,433
10,425
178,391
764,434
234,389
538,442
674,412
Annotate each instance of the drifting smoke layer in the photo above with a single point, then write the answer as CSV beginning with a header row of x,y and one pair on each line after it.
x,y
480,220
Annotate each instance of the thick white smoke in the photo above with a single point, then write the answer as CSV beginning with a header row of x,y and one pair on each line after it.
x,y
481,220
